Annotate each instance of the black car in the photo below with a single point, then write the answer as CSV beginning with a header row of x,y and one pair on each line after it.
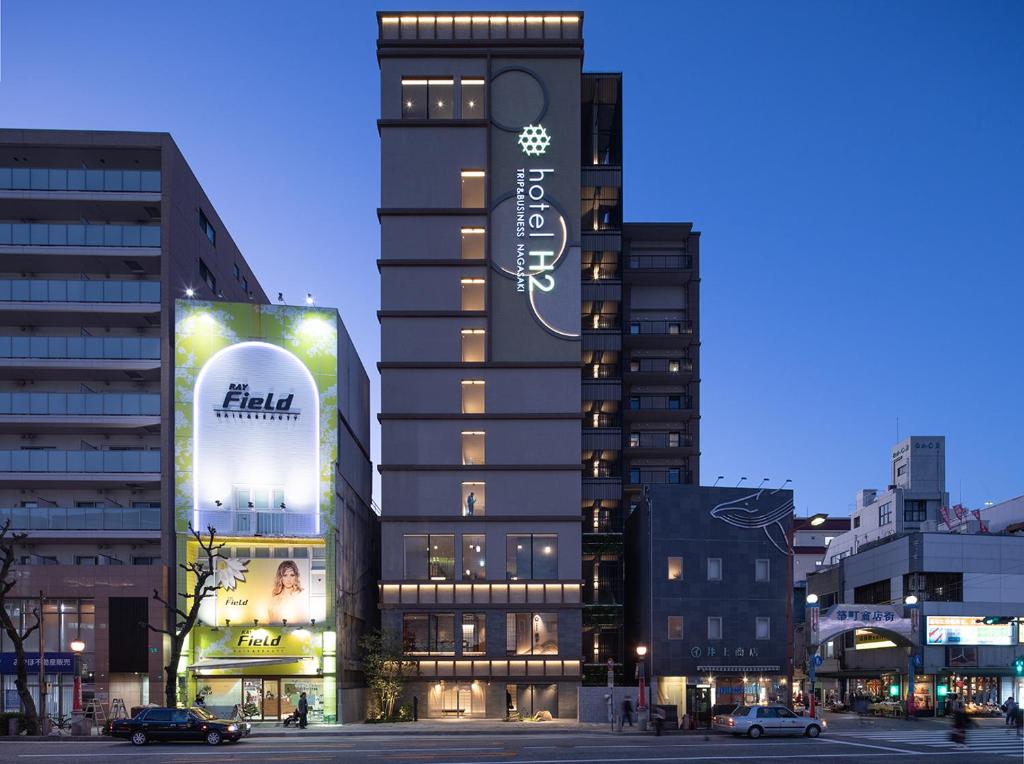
x,y
166,724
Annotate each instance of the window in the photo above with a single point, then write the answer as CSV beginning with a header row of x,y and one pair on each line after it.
x,y
430,558
634,439
473,290
675,568
145,560
474,498
762,570
715,627
473,447
714,568
673,367
673,440
531,556
86,560
428,633
473,396
634,403
675,402
473,188
472,99
473,240
762,628
901,470
474,557
207,227
245,285
915,510
531,633
473,347
675,627
876,593
428,99
828,540
414,99
672,475
234,267
474,631
634,475
885,513
207,276
856,522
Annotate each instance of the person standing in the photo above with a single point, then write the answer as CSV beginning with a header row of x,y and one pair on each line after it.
x,y
470,503
627,711
1018,719
303,710
1009,707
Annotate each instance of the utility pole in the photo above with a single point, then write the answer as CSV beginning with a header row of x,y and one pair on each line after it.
x,y
43,716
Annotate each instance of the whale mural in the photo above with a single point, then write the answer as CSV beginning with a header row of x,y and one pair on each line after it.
x,y
765,509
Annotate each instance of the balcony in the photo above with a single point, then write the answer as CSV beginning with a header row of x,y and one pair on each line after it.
x,y
640,444
59,302
594,489
92,348
131,250
38,411
602,439
675,406
37,519
78,235
53,466
41,179
255,522
654,476
667,327
659,269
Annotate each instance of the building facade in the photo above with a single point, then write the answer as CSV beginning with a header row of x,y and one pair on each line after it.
x,y
271,450
811,542
99,232
710,587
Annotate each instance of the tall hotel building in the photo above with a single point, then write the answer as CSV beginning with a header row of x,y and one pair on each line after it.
x,y
538,360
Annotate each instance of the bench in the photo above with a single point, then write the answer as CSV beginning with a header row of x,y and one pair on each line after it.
x,y
453,711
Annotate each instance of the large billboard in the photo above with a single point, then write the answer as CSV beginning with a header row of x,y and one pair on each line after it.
x,y
966,630
255,418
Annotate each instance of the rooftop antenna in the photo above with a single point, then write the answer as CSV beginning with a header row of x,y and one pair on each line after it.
x,y
720,477
280,297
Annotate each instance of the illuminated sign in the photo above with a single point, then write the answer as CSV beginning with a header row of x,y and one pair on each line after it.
x,y
534,140
865,639
966,630
267,591
255,642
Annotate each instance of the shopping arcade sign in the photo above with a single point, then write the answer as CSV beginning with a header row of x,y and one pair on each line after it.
x,y
842,618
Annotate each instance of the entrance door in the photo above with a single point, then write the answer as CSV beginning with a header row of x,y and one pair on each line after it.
x,y
261,698
698,703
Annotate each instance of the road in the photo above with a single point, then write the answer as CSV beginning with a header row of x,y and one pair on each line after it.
x,y
909,746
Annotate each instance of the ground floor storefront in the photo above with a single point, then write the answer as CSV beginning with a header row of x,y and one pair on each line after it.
x,y
982,691
491,699
700,697
263,698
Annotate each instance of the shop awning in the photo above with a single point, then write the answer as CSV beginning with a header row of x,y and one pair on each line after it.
x,y
225,663
740,669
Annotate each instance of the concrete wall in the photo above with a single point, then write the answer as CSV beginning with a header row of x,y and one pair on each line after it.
x,y
593,703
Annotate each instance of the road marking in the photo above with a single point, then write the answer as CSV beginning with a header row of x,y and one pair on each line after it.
x,y
248,749
863,745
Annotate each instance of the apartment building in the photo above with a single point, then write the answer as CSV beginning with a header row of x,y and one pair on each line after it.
x,y
99,233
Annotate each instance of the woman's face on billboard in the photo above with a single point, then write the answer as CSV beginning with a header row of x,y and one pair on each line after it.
x,y
289,578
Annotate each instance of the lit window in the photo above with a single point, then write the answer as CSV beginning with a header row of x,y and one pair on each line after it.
x,y
675,627
473,346
474,498
531,633
474,557
472,99
673,367
675,568
473,188
531,556
440,97
473,290
473,396
473,240
473,447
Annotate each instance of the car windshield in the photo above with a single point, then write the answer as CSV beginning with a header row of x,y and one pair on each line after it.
x,y
741,711
202,713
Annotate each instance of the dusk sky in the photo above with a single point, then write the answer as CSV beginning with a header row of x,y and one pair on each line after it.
x,y
856,170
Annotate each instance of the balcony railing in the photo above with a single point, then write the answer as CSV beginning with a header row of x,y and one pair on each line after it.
x,y
660,440
659,262
52,460
111,348
80,404
671,475
667,327
661,402
40,290
82,518
660,365
46,179
591,321
253,522
79,235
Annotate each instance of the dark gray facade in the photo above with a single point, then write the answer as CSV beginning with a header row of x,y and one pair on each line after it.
x,y
710,583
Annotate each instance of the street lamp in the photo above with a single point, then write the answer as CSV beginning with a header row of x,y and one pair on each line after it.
x,y
812,646
817,519
911,604
641,653
77,647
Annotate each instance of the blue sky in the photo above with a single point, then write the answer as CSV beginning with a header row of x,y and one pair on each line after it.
x,y
856,170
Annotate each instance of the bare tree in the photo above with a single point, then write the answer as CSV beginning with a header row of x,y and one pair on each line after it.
x,y
181,619
15,633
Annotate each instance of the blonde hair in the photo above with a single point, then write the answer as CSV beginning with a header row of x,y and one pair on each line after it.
x,y
279,576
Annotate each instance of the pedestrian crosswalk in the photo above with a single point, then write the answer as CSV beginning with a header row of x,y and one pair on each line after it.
x,y
991,740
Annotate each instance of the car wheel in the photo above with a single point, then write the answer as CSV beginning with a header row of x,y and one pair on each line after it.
x,y
755,731
213,737
813,730
138,738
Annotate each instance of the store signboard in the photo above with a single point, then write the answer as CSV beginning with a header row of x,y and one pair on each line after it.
x,y
966,630
55,663
256,642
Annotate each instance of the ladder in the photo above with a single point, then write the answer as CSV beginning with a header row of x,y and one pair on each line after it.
x,y
94,709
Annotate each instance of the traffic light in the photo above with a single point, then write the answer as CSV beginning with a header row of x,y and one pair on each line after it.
x,y
1018,666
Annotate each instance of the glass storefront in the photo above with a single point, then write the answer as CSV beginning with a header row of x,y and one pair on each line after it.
x,y
262,698
924,695
979,694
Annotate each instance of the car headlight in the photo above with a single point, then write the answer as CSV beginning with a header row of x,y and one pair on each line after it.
x,y
232,728
824,723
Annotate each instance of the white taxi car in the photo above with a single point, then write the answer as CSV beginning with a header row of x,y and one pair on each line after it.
x,y
756,721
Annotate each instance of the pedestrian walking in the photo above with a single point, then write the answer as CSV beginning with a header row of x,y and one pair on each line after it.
x,y
1008,708
627,711
1018,720
303,710
960,724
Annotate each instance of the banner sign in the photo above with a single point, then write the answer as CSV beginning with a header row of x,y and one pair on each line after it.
x,y
842,618
261,642
56,663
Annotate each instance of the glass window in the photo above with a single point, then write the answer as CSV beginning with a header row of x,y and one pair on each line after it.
x,y
474,632
428,633
416,558
714,568
885,513
634,439
473,346
473,291
714,627
675,627
473,240
414,99
474,498
531,633
473,188
762,628
675,568
473,396
531,556
762,570
441,96
474,557
473,447
207,228
472,99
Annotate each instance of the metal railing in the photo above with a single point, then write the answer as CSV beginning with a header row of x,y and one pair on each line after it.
x,y
79,235
60,179
666,327
275,522
80,404
81,518
52,460
659,262
43,290
111,348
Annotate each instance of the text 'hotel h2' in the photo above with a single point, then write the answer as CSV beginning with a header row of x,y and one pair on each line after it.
x,y
515,307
